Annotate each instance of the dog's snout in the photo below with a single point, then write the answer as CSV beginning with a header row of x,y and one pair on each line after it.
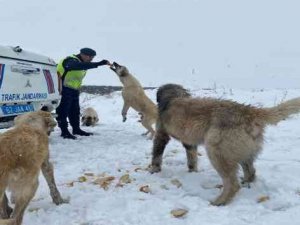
x,y
113,66
89,121
116,65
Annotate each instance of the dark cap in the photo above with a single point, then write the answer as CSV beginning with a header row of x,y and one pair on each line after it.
x,y
88,51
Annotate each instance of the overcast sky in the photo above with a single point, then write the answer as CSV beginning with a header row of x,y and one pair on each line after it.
x,y
235,43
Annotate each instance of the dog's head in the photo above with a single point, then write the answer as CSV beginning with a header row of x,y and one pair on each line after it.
x,y
121,71
89,117
168,92
40,119
47,108
89,120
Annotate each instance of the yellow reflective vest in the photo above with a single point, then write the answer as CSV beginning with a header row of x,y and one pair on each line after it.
x,y
72,79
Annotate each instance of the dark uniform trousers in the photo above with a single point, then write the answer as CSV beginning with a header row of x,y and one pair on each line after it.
x,y
68,108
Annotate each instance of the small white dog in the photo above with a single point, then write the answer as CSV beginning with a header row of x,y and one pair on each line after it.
x,y
89,117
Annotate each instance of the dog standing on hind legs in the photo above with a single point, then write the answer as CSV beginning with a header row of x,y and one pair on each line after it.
x,y
232,133
134,96
24,151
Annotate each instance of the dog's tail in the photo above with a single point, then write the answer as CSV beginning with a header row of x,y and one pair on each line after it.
x,y
7,222
282,111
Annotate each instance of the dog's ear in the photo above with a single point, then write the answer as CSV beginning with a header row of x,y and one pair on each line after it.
x,y
168,92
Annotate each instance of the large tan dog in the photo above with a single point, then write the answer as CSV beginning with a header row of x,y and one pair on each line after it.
x,y
134,96
24,150
232,133
89,117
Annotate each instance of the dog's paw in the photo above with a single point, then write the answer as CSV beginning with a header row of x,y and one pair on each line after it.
x,y
193,169
247,182
154,169
226,196
59,201
218,202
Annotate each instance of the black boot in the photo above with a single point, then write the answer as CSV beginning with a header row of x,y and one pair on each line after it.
x,y
80,132
67,135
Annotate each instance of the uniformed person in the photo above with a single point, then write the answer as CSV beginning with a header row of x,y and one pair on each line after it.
x,y
71,72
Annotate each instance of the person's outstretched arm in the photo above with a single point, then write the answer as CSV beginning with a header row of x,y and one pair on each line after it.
x,y
74,64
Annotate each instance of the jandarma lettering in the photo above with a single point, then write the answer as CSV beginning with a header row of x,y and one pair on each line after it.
x,y
27,96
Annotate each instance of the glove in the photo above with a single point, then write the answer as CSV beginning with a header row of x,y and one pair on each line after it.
x,y
103,62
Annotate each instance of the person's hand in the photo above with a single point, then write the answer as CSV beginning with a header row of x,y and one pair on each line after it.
x,y
104,62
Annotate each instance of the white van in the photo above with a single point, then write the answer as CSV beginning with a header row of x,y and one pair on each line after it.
x,y
28,81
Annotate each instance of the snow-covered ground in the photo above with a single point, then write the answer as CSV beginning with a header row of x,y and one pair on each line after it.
x,y
117,149
198,43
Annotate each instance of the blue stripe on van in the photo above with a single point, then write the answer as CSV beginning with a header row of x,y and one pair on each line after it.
x,y
2,67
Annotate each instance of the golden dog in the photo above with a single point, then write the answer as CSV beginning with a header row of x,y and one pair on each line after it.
x,y
29,118
232,133
134,96
89,117
24,150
